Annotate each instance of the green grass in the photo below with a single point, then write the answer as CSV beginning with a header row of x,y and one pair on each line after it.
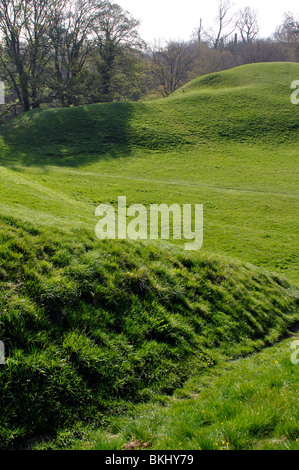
x,y
248,404
230,143
93,328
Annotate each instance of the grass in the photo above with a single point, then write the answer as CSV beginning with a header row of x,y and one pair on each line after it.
x,y
232,146
94,329
92,326
247,404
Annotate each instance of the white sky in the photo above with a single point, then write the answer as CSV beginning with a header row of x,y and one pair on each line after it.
x,y
173,19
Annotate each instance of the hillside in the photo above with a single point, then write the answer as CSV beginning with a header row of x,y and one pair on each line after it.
x,y
232,148
238,105
92,327
227,408
89,325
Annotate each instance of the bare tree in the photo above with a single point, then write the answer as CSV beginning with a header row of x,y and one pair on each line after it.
x,y
226,24
171,64
247,24
199,32
288,32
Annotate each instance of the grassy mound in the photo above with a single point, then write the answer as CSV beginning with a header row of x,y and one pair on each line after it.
x,y
228,408
227,140
236,105
90,325
261,75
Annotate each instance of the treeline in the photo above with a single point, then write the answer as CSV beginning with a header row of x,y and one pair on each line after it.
x,y
66,53
62,53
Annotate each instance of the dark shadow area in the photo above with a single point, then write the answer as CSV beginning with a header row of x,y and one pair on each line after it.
x,y
68,137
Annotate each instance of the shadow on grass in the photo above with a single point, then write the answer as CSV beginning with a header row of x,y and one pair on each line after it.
x,y
69,137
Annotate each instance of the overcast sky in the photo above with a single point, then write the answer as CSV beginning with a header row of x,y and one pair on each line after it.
x,y
173,19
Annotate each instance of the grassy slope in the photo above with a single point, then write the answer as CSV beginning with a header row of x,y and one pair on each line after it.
x,y
89,326
220,141
247,404
229,141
